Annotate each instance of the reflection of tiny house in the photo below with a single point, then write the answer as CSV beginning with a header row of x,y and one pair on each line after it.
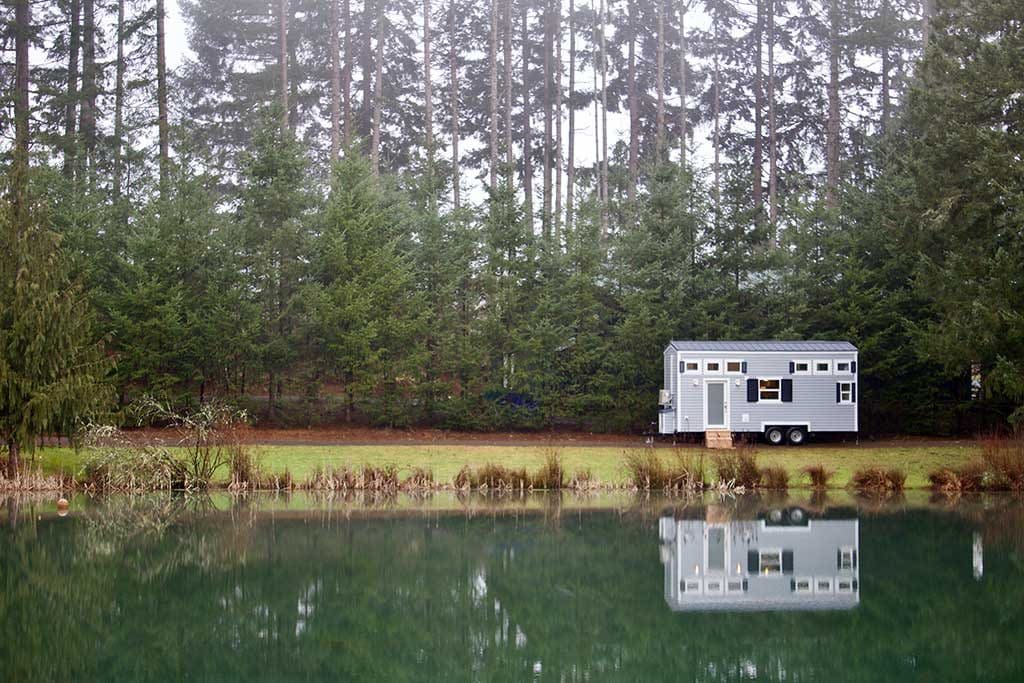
x,y
783,390
784,560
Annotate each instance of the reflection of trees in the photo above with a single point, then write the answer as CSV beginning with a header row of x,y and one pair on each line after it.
x,y
260,590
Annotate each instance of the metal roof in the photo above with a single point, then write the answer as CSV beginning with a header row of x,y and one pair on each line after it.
x,y
748,346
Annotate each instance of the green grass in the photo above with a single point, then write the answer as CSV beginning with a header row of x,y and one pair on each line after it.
x,y
606,464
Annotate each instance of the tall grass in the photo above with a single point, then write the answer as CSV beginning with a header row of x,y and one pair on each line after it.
x,y
737,468
1004,461
878,479
551,475
648,471
775,478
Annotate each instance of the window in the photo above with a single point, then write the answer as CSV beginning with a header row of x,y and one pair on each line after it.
x,y
843,366
846,559
770,562
845,392
770,390
823,585
734,586
690,586
689,365
844,586
713,367
713,586
734,367
802,367
802,585
822,367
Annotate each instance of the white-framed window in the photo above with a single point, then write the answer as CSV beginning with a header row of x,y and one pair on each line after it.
x,y
770,562
803,585
689,365
846,392
844,586
691,586
822,367
846,559
733,367
714,586
712,366
823,584
801,367
769,390
734,586
844,367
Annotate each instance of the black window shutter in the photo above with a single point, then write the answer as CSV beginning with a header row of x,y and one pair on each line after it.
x,y
787,391
743,367
787,561
751,390
792,585
792,367
854,559
853,392
682,366
839,558
839,389
853,366
753,561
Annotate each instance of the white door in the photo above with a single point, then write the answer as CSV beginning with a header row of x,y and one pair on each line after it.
x,y
716,404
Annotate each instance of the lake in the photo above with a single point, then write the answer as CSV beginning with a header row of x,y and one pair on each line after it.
x,y
540,587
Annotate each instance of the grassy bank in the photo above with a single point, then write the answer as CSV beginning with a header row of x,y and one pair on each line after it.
x,y
606,465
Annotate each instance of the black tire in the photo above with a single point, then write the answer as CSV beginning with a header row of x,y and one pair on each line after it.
x,y
775,436
796,435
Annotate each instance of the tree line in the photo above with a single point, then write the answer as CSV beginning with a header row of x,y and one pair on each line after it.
x,y
382,210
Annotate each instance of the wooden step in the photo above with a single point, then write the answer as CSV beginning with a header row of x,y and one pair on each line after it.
x,y
718,438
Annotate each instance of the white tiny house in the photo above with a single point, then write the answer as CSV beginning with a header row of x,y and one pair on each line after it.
x,y
783,390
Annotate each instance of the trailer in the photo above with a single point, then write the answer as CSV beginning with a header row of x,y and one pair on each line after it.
x,y
781,390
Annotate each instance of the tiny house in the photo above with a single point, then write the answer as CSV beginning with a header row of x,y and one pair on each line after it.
x,y
786,559
783,390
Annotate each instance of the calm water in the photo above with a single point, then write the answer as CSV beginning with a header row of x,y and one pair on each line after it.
x,y
553,588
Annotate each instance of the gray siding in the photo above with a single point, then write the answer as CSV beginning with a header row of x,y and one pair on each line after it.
x,y
814,396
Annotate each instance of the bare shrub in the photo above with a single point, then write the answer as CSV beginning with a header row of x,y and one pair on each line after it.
x,y
492,476
1004,460
737,468
463,478
419,479
966,478
583,480
818,475
645,469
775,478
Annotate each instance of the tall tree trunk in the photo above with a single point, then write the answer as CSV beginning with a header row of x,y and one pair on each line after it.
x,y
758,161
886,68
71,107
527,118
13,450
119,103
594,41
87,116
659,136
832,130
604,121
282,43
558,121
378,95
493,56
335,84
570,173
19,171
163,127
428,103
634,109
366,115
346,78
453,65
506,38
715,111
927,13
548,49
773,150
683,113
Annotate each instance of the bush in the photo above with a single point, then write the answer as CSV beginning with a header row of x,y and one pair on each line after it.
x,y
775,478
463,478
583,480
818,476
1004,460
738,468
493,476
648,471
966,478
419,479
878,479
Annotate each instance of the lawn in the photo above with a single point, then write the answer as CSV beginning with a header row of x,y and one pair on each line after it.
x,y
604,463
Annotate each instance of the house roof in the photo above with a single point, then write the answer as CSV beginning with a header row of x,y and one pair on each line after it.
x,y
748,346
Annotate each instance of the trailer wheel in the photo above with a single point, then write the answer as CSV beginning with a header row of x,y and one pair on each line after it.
x,y
796,435
775,436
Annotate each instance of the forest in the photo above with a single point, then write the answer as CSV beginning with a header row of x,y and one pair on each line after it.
x,y
494,214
